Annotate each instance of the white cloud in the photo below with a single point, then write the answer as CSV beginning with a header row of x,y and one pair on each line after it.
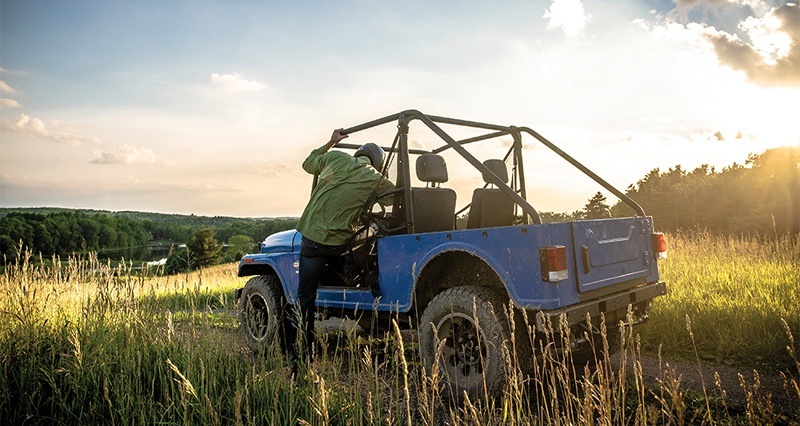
x,y
129,155
4,87
236,83
569,16
765,45
767,36
8,103
772,56
29,125
33,126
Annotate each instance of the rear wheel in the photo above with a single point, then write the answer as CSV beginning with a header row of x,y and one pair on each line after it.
x,y
262,311
468,324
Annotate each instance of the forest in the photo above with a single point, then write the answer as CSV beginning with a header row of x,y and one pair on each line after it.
x,y
760,197
116,235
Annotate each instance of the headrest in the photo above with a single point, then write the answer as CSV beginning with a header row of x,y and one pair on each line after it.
x,y
497,167
431,168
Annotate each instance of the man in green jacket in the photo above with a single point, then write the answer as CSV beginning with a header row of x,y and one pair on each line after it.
x,y
330,220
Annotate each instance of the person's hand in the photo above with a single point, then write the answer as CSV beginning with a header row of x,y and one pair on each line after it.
x,y
336,136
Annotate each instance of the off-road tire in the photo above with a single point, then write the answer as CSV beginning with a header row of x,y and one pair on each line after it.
x,y
262,311
471,324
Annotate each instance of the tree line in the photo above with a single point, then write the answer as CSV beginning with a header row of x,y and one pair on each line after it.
x,y
66,233
128,235
761,196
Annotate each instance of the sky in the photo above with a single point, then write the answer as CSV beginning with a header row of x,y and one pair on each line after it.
x,y
209,107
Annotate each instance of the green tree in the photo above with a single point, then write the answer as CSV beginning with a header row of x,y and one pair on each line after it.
x,y
204,249
555,217
775,180
8,248
762,196
597,208
239,245
177,261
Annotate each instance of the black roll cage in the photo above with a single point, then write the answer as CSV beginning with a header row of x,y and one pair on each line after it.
x,y
516,191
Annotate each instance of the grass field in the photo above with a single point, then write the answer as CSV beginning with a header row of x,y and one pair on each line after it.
x,y
89,344
735,292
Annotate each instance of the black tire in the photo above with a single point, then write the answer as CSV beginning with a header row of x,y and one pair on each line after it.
x,y
473,359
262,311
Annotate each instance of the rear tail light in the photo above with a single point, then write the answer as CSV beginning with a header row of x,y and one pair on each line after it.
x,y
553,260
660,245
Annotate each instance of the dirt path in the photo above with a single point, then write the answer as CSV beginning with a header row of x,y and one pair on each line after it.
x,y
739,383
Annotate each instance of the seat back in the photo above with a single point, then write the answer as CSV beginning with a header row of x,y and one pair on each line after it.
x,y
434,207
490,206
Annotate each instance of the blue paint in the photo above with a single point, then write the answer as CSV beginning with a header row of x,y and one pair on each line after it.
x,y
618,250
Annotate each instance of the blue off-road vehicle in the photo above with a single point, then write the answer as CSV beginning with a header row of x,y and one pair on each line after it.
x,y
451,272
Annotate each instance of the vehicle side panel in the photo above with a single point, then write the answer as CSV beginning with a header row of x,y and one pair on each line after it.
x,y
619,246
512,252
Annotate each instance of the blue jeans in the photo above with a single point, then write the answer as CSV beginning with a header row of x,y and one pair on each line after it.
x,y
320,265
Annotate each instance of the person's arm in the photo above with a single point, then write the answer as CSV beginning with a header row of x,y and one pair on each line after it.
x,y
314,163
385,185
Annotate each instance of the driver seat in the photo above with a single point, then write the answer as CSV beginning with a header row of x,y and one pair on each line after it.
x,y
434,207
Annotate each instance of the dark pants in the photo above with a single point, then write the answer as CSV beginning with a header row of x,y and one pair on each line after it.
x,y
320,265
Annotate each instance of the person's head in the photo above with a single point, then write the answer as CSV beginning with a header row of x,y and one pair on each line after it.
x,y
373,152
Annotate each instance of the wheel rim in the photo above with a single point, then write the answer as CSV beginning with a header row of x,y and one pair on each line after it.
x,y
256,317
464,350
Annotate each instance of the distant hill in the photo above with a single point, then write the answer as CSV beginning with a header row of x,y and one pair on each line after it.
x,y
61,231
159,217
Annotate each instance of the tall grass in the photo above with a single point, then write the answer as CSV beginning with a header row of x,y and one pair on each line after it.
x,y
93,344
88,343
736,291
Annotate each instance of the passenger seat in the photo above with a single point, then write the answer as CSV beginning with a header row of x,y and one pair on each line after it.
x,y
490,206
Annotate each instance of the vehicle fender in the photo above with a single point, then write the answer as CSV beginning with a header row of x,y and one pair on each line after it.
x,y
279,265
460,246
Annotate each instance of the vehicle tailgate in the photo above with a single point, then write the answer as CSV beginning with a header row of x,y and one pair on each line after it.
x,y
611,251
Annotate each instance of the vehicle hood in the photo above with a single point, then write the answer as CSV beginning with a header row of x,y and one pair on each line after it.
x,y
281,242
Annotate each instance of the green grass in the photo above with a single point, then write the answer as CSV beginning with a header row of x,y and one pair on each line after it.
x,y
90,343
734,292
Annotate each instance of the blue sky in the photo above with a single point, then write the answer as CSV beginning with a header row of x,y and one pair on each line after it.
x,y
209,107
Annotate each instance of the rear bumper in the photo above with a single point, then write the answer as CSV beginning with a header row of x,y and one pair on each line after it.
x,y
610,304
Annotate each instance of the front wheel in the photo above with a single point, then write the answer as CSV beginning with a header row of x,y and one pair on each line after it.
x,y
262,311
468,324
